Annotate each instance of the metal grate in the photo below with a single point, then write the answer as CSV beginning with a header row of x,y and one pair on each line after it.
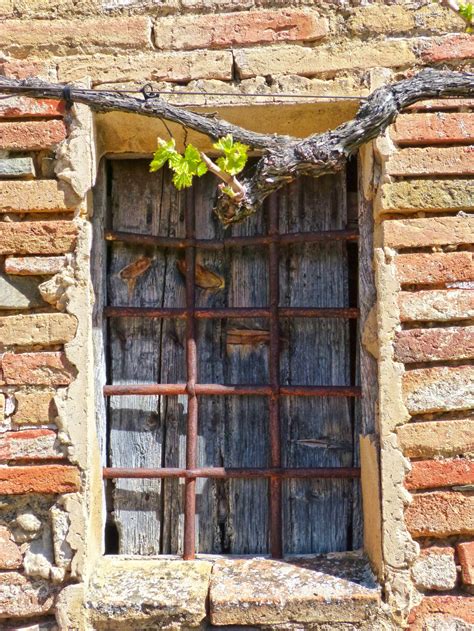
x,y
275,473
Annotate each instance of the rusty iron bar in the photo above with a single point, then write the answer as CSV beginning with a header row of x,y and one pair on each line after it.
x,y
230,390
232,312
111,473
189,550
220,244
275,490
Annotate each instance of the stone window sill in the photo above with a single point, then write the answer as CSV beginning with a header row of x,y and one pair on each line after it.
x,y
168,593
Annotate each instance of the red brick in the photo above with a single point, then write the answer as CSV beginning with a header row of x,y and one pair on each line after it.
x,y
436,305
238,29
460,607
424,345
433,129
452,48
466,559
30,444
49,369
10,555
432,161
46,479
31,135
431,474
23,107
37,237
440,514
435,268
441,105
416,233
22,69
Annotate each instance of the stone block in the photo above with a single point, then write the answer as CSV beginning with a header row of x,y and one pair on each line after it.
x,y
37,237
31,135
458,608
466,559
45,369
39,328
310,62
23,597
425,345
431,474
238,29
381,20
19,293
30,445
24,68
450,48
2,408
436,305
435,569
35,265
175,67
439,389
16,167
23,38
437,438
48,479
41,196
431,161
25,107
433,129
10,554
432,269
434,195
126,594
255,592
416,233
440,514
34,408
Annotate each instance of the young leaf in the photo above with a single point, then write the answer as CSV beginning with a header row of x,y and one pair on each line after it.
x,y
165,152
235,155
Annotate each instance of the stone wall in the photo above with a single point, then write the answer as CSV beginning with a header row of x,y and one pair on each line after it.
x,y
419,180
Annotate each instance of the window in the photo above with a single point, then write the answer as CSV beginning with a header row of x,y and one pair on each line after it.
x,y
231,362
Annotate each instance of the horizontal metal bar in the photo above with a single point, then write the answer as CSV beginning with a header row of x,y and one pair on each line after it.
x,y
219,244
111,473
230,390
231,312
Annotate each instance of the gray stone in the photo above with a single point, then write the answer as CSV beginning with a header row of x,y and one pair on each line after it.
x,y
19,293
17,167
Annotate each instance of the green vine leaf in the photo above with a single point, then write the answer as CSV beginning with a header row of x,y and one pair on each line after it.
x,y
184,166
235,155
165,152
466,11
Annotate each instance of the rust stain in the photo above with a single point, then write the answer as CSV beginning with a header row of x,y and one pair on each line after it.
x,y
205,279
252,337
130,273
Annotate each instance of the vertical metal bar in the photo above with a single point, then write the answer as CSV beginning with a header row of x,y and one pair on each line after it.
x,y
276,542
191,376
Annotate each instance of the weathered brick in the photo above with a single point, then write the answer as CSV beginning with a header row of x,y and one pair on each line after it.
x,y
10,555
433,129
435,569
432,474
158,66
432,161
437,438
39,369
19,293
24,107
439,389
451,48
432,269
466,559
310,62
17,167
22,38
31,135
372,20
48,479
33,197
24,597
38,328
436,195
37,237
36,265
416,233
238,29
424,345
2,408
34,408
30,444
441,105
440,514
456,607
436,305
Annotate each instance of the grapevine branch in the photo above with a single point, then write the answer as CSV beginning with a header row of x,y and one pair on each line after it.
x,y
283,157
